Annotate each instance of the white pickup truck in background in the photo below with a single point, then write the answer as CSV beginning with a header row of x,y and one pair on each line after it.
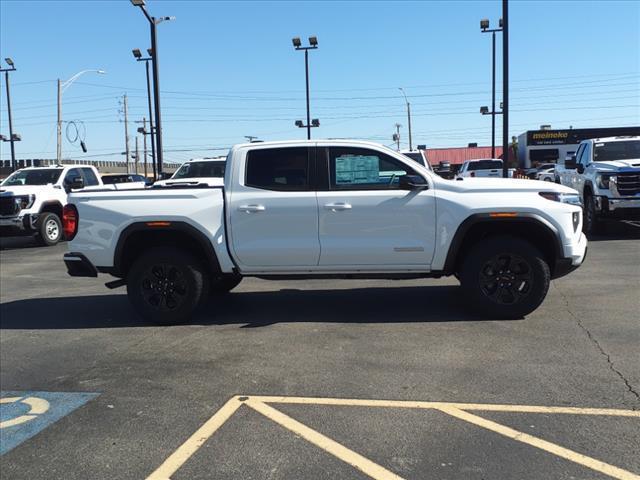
x,y
326,209
606,173
209,171
488,167
31,199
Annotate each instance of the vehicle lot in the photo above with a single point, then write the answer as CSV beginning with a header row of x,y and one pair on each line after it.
x,y
304,341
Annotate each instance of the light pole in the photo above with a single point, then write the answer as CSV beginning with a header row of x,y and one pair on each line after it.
x,y
313,44
153,23
138,56
484,27
62,86
408,116
505,88
12,137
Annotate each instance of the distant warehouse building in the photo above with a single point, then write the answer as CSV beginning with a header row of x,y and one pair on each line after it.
x,y
549,146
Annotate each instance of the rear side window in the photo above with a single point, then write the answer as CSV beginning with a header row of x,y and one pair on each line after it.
x,y
90,178
278,169
485,165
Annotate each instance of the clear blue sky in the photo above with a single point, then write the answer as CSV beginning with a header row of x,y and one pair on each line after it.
x,y
228,69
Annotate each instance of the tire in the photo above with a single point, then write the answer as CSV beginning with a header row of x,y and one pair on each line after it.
x,y
547,179
224,284
591,224
49,229
504,277
167,285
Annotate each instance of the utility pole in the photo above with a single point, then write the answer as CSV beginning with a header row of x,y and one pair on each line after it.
x,y
126,132
59,125
12,137
137,157
408,117
144,144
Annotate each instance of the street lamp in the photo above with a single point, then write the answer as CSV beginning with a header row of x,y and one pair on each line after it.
x,y
484,27
314,123
137,54
313,44
153,23
408,116
11,139
62,86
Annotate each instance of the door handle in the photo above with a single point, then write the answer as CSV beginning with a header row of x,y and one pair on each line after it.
x,y
337,207
251,208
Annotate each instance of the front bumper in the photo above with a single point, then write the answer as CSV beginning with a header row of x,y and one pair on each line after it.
x,y
574,257
79,266
623,208
19,225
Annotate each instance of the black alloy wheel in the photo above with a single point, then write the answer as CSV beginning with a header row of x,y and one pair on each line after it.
x,y
163,287
506,279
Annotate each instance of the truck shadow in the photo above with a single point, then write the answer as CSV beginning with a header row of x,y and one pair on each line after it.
x,y
250,309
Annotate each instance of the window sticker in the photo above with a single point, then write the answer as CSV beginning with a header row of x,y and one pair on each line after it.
x,y
357,169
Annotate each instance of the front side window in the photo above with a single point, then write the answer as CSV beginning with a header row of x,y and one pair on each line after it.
x,y
364,169
584,156
278,169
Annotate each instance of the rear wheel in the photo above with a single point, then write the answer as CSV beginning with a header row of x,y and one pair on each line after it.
x,y
49,229
504,277
166,285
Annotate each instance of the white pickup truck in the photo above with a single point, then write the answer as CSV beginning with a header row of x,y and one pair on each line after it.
x,y
606,174
31,199
326,209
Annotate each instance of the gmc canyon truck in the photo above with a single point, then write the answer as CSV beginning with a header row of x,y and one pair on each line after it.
x,y
606,174
326,209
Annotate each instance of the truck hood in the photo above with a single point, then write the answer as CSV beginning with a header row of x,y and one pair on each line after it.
x,y
614,165
23,189
500,185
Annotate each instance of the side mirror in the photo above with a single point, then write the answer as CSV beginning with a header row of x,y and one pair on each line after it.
x,y
76,183
412,182
570,163
580,168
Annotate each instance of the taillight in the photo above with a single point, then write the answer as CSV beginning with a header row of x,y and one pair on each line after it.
x,y
70,221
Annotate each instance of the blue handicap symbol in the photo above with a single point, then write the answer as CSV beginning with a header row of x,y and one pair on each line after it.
x,y
24,414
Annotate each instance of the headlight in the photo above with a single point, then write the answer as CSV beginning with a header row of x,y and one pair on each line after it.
x,y
603,180
571,198
25,201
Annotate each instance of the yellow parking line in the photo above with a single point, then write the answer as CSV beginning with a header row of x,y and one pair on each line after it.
x,y
562,452
191,446
325,443
354,402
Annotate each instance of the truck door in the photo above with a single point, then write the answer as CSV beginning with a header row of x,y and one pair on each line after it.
x,y
584,159
273,210
365,219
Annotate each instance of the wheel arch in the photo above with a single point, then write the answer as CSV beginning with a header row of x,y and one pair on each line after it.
x,y
52,207
530,227
141,236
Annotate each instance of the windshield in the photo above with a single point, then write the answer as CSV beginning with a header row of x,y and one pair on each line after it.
x,y
200,169
34,177
415,156
606,152
485,165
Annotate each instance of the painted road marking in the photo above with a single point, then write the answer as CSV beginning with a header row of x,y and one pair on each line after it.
x,y
24,414
37,406
373,470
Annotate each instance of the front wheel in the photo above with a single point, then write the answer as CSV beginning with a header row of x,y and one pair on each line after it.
x,y
166,285
591,224
49,229
504,277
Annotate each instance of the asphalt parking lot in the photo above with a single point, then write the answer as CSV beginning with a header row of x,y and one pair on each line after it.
x,y
321,379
